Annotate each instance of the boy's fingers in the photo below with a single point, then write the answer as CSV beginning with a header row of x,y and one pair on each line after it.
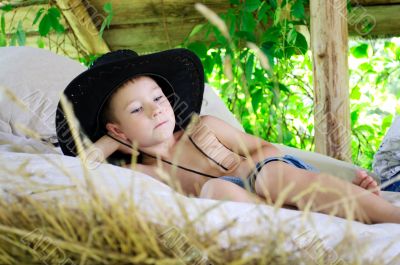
x,y
359,179
366,182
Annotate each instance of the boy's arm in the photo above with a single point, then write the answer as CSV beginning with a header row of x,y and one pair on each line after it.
x,y
238,141
106,145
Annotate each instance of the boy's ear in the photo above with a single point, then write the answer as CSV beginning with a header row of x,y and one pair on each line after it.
x,y
114,129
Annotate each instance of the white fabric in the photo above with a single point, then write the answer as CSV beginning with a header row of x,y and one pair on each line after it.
x,y
36,77
387,159
44,180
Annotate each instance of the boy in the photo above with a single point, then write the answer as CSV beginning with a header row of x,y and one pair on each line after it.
x,y
125,100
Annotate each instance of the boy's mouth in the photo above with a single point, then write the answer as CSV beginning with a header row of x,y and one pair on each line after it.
x,y
161,123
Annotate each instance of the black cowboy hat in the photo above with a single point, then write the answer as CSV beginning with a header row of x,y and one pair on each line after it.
x,y
178,72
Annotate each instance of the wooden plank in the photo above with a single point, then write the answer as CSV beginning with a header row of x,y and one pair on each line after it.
x,y
145,19
67,48
128,11
374,2
385,20
136,37
82,24
23,3
329,44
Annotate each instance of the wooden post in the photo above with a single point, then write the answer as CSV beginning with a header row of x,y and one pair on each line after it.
x,y
77,15
329,45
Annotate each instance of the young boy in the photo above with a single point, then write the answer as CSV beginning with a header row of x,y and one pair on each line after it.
x,y
146,102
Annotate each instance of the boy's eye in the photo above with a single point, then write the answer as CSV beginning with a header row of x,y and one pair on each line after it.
x,y
136,110
158,98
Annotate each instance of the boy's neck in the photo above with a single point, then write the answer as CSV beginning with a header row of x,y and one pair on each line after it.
x,y
164,150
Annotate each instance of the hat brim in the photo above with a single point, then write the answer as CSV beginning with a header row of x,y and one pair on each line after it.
x,y
88,92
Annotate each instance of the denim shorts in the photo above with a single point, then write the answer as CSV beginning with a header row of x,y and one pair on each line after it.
x,y
249,182
395,186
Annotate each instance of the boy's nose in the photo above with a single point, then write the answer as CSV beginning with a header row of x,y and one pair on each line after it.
x,y
156,110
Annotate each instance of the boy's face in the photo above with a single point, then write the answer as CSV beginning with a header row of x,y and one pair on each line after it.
x,y
144,114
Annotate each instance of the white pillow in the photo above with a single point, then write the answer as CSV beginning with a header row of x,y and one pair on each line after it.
x,y
36,77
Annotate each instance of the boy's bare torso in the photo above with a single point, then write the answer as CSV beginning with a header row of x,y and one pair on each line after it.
x,y
187,155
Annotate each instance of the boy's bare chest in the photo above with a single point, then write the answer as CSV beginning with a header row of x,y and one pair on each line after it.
x,y
187,155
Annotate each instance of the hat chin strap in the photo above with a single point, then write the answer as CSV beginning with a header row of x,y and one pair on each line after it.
x,y
165,161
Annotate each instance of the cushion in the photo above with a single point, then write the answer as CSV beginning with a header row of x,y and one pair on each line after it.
x,y
36,77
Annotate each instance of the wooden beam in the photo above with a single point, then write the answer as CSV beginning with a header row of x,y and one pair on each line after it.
x,y
82,24
384,20
329,45
52,43
373,2
18,4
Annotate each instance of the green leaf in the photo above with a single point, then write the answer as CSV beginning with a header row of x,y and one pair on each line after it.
x,y
277,16
199,48
249,67
40,43
297,9
38,15
366,128
354,116
21,38
387,122
7,8
273,4
256,98
107,7
355,93
262,12
3,24
360,51
301,43
196,29
3,40
366,67
13,41
106,23
269,51
292,36
54,17
234,2
248,22
54,12
248,36
271,35
251,5
45,25
280,86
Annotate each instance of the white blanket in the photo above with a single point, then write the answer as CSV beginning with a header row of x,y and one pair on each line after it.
x,y
43,179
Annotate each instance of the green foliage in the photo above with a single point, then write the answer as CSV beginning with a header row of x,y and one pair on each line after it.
x,y
277,103
375,95
107,21
273,103
49,19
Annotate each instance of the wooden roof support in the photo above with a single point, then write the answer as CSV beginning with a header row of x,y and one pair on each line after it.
x,y
82,24
329,45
